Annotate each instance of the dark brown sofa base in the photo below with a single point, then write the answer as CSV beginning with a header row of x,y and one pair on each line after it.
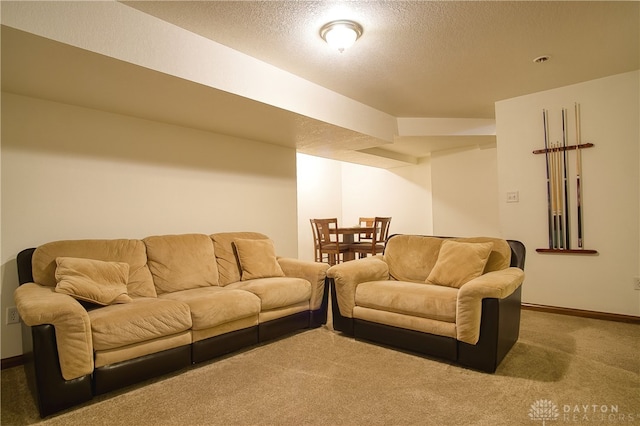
x,y
126,373
52,393
499,329
402,338
498,333
214,347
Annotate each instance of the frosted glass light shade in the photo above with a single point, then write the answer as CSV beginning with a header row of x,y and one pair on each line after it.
x,y
341,35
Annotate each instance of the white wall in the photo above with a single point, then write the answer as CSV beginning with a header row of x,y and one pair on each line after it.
x,y
402,193
71,172
319,196
465,192
610,120
328,188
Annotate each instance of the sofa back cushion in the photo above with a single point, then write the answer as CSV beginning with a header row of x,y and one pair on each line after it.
x,y
181,262
132,252
227,256
412,257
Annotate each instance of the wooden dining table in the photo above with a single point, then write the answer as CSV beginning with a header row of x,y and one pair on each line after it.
x,y
348,234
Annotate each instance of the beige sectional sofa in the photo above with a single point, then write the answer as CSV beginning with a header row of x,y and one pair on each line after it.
x,y
454,298
102,314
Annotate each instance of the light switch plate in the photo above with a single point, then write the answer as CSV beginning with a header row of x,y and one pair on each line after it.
x,y
513,197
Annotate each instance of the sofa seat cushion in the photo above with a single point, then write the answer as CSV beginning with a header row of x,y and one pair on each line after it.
x,y
136,350
143,319
213,306
402,297
277,292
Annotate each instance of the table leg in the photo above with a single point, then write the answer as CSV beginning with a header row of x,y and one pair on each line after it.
x,y
347,240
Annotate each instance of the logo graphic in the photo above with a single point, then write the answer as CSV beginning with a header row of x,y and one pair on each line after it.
x,y
544,410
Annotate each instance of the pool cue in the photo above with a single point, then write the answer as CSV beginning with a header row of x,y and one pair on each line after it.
x,y
578,176
546,154
554,198
567,241
558,192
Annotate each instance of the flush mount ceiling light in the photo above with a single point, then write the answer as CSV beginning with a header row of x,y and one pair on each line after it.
x,y
541,59
341,34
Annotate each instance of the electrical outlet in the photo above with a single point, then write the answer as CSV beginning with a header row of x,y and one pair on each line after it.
x,y
12,315
513,197
636,283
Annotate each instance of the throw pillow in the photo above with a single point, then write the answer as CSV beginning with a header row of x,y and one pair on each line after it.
x,y
459,263
257,259
95,281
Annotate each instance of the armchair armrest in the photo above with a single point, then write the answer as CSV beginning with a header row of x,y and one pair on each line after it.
x,y
348,275
313,272
496,284
42,305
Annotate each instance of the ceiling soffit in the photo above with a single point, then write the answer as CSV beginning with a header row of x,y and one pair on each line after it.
x,y
420,71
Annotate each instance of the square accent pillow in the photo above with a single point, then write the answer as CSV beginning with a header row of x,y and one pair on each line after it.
x,y
95,281
459,263
257,259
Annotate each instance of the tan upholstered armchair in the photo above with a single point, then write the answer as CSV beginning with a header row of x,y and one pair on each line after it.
x,y
457,298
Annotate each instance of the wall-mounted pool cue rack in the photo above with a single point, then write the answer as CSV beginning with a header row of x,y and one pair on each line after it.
x,y
558,193
569,148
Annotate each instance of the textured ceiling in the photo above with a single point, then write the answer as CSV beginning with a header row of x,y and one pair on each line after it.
x,y
425,58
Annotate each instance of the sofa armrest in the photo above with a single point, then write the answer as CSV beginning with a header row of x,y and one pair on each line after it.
x,y
313,272
39,305
348,275
496,284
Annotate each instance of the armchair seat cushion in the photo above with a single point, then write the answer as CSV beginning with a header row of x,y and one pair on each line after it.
x,y
213,306
408,298
277,292
141,320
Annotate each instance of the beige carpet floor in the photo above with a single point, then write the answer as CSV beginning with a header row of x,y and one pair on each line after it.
x,y
582,371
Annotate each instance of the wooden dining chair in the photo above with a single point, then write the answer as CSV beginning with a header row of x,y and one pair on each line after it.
x,y
379,236
327,241
366,222
316,242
